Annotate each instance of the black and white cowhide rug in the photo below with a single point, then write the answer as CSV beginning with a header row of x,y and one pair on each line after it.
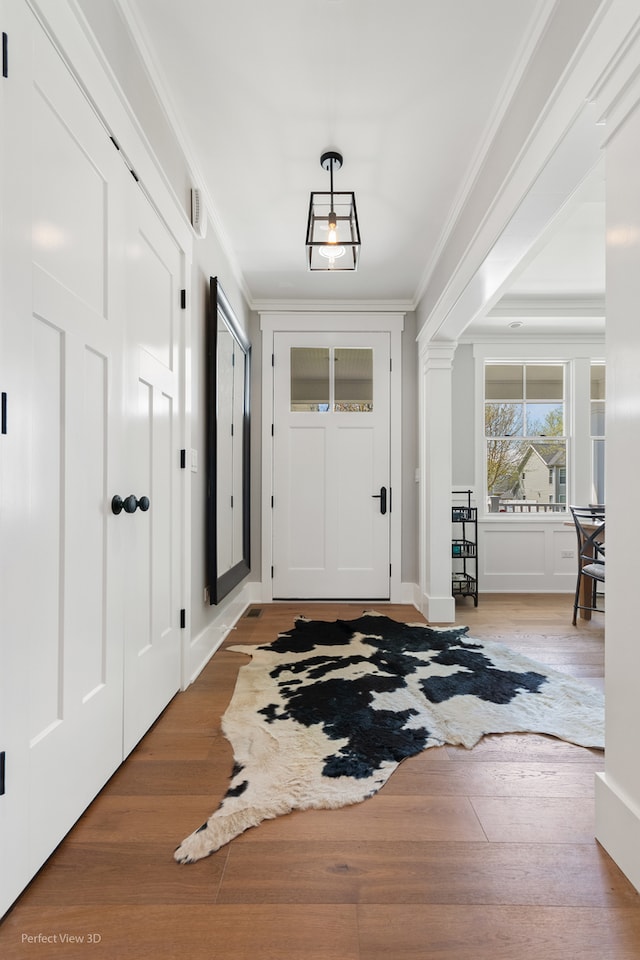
x,y
322,716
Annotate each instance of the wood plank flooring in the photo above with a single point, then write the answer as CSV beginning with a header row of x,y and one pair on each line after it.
x,y
483,854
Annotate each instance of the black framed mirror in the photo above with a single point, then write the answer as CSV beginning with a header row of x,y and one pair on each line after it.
x,y
228,553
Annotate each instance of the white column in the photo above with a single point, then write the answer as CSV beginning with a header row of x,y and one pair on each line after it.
x,y
436,601
618,789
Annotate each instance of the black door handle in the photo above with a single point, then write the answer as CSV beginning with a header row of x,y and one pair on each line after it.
x,y
382,497
130,504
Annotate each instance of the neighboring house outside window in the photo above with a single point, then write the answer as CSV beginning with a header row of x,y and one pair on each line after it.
x,y
542,468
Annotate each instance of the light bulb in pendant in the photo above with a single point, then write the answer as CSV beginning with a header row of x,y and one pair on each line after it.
x,y
333,231
332,253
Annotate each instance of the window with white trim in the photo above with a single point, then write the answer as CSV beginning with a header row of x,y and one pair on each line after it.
x,y
525,436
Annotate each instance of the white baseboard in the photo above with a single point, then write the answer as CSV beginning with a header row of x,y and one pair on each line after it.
x,y
618,828
232,608
437,609
409,593
226,615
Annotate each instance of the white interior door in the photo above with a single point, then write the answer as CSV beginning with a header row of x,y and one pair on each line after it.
x,y
61,603
332,498
152,536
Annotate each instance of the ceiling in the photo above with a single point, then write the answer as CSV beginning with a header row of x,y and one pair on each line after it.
x,y
559,288
409,92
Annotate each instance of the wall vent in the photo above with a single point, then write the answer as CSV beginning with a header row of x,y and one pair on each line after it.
x,y
198,213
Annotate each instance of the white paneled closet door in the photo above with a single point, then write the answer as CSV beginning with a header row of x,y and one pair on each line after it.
x,y
90,368
152,407
62,310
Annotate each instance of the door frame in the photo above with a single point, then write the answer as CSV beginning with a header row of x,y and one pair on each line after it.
x,y
338,322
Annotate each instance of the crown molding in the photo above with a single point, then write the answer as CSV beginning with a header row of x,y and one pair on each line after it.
x,y
547,343
332,306
536,346
618,90
533,307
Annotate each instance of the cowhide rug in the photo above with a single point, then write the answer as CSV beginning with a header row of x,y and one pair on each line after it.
x,y
322,716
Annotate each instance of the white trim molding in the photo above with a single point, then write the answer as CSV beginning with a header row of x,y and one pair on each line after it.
x,y
227,614
618,826
369,307
435,600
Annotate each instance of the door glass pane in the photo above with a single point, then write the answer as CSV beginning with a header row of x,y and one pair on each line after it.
x,y
597,418
353,372
310,379
597,381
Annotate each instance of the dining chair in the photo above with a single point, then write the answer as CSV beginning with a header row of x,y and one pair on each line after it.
x,y
590,529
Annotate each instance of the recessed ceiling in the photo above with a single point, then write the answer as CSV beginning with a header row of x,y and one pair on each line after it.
x,y
571,263
408,92
559,288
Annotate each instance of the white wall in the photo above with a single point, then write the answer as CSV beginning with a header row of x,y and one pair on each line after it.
x,y
208,260
521,557
618,791
463,421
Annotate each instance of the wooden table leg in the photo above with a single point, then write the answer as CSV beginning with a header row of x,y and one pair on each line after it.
x,y
585,596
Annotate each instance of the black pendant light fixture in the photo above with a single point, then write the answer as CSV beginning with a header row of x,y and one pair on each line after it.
x,y
333,234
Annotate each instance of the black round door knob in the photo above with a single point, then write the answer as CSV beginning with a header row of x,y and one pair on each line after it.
x,y
130,504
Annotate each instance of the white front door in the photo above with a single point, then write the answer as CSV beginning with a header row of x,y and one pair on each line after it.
x,y
152,536
331,466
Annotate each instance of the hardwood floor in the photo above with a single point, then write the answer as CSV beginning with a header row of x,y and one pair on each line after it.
x,y
464,854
